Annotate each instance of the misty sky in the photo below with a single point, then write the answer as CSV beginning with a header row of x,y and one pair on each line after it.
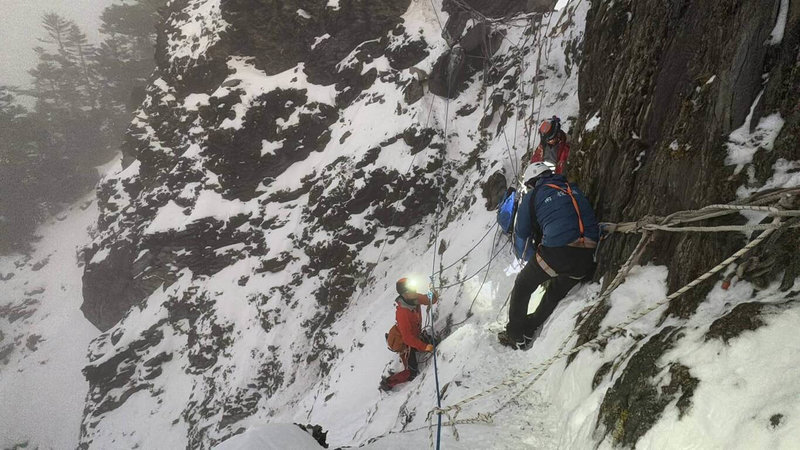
x,y
20,27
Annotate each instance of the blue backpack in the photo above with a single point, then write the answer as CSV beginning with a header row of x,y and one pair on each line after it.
x,y
507,210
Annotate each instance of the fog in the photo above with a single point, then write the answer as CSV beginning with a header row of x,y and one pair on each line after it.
x,y
20,27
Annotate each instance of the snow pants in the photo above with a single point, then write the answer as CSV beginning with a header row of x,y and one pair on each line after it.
x,y
571,265
409,358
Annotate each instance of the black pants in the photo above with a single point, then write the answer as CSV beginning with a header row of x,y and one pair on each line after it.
x,y
412,362
413,366
572,265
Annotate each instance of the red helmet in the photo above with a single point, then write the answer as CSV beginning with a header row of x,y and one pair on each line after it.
x,y
404,285
549,129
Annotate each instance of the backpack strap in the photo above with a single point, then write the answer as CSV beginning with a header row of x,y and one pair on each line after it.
x,y
582,241
568,191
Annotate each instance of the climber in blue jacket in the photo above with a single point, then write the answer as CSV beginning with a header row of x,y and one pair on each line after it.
x,y
556,232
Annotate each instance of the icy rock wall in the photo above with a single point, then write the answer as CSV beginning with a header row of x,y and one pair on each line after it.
x,y
662,86
285,148
280,148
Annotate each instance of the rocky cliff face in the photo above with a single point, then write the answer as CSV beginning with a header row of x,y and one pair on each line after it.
x,y
290,162
662,86
281,147
666,83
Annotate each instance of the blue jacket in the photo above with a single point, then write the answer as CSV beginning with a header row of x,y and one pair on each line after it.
x,y
547,216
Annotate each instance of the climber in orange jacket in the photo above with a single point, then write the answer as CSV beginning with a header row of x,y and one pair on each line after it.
x,y
405,337
553,147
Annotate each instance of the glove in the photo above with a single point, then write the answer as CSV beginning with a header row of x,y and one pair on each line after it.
x,y
429,348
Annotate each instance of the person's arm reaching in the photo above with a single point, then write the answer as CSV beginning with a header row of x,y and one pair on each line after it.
x,y
422,299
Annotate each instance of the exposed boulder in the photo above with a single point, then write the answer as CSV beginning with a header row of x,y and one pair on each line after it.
x,y
464,59
109,289
493,190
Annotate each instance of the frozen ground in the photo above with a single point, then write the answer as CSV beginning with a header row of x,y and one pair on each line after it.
x,y
745,398
44,335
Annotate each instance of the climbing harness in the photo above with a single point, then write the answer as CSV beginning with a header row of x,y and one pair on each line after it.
x,y
647,227
582,240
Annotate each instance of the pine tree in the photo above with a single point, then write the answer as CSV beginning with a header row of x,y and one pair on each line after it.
x,y
125,58
20,202
83,105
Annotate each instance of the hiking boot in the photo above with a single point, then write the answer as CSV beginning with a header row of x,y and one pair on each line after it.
x,y
523,344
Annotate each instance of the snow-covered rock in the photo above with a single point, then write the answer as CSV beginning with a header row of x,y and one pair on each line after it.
x,y
290,163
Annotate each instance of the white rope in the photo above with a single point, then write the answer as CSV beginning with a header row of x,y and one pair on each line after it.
x,y
541,368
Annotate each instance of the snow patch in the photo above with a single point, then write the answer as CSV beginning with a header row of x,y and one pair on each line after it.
x,y
269,147
742,144
320,39
786,174
674,145
639,160
255,82
209,204
776,37
167,218
200,26
272,436
100,256
193,102
593,122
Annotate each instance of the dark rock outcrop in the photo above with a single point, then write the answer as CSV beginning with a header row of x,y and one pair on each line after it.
x,y
745,316
213,133
109,289
469,54
667,88
633,404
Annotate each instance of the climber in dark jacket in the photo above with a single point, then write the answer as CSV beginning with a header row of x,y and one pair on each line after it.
x,y
562,228
406,337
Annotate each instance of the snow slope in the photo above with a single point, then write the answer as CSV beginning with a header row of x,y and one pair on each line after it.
x,y
268,298
44,336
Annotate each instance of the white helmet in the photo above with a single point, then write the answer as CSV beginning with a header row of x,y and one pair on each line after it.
x,y
535,170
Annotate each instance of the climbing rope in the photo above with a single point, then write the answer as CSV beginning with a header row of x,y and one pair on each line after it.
x,y
539,369
478,291
464,256
451,412
439,178
394,213
519,46
543,38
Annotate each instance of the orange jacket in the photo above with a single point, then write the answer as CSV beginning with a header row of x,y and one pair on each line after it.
x,y
409,321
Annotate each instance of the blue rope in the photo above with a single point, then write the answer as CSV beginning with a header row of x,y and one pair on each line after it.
x,y
435,244
435,373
